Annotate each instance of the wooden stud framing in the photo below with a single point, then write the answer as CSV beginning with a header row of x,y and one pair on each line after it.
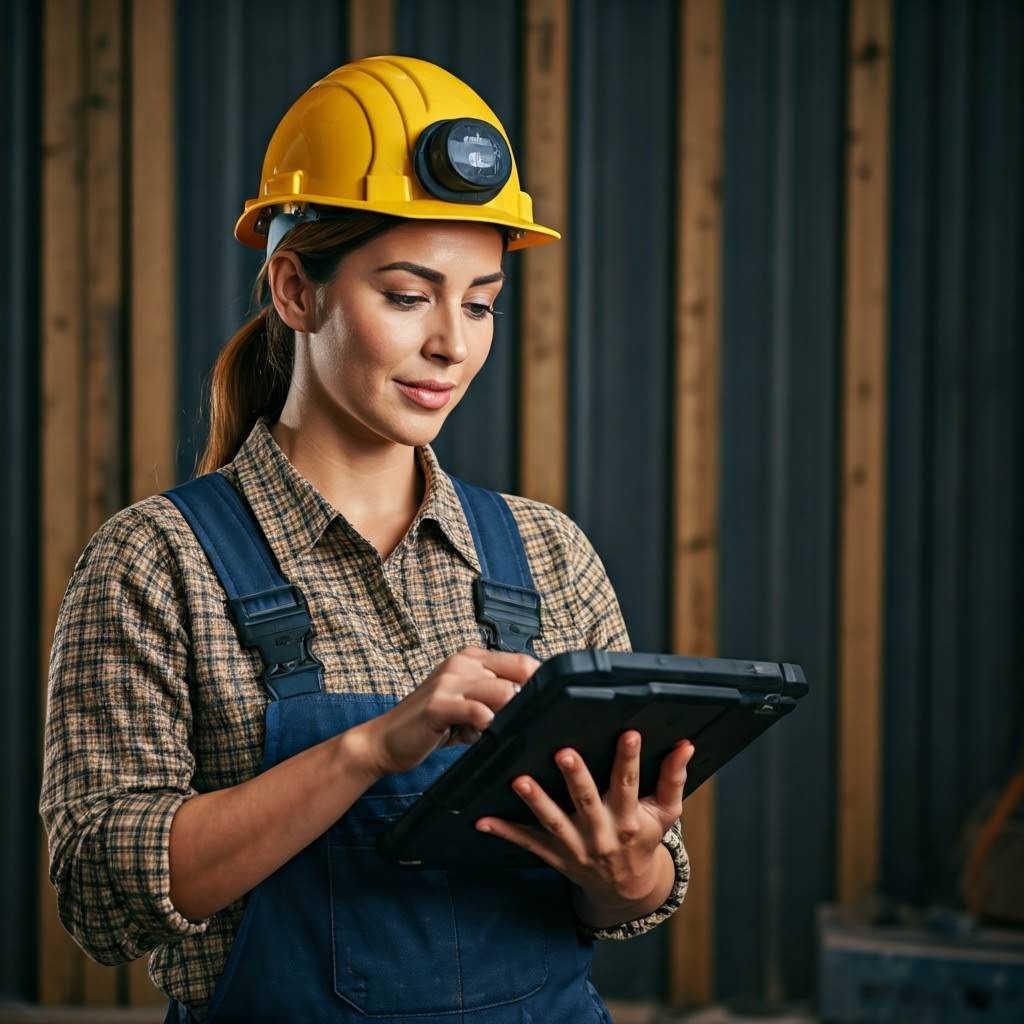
x,y
90,469
103,266
695,619
371,28
61,327
863,473
153,326
545,269
153,321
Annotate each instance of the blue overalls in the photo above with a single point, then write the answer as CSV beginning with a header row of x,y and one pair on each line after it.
x,y
338,934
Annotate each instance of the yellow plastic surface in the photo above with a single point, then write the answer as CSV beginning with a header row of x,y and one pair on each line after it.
x,y
348,141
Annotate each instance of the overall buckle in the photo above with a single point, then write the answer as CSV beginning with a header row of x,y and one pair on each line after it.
x,y
510,615
277,623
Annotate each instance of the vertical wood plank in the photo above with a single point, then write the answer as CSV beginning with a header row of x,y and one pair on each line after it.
x,y
104,261
864,395
543,418
104,325
153,321
371,28
82,338
62,330
698,331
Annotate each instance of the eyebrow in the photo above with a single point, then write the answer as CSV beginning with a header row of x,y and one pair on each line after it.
x,y
435,276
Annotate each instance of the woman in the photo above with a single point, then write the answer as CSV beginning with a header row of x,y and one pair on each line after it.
x,y
196,806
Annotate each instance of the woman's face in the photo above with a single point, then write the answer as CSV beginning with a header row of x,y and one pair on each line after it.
x,y
411,307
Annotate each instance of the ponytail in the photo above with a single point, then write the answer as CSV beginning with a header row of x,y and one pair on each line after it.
x,y
250,379
254,369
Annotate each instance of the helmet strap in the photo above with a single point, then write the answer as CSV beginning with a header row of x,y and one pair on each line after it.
x,y
282,223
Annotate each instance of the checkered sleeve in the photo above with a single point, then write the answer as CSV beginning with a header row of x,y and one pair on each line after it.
x,y
598,608
117,763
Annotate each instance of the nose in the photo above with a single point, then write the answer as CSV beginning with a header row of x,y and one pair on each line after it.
x,y
446,337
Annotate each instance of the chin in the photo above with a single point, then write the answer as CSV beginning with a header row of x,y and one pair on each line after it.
x,y
415,435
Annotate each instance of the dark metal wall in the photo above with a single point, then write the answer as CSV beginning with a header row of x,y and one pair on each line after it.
x,y
781,293
954,699
621,170
20,87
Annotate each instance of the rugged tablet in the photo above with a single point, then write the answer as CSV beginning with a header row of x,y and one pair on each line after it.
x,y
585,700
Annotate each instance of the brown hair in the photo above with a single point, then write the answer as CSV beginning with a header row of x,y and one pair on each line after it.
x,y
253,371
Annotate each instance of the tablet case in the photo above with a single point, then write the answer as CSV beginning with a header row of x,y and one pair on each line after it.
x,y
586,699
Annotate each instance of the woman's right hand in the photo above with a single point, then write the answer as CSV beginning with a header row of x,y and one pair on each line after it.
x,y
454,704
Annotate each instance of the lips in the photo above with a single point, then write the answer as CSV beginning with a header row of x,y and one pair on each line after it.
x,y
427,394
428,385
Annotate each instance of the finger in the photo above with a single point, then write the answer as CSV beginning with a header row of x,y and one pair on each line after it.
x,y
495,692
454,712
528,837
517,667
582,788
552,818
624,788
668,793
461,734
472,707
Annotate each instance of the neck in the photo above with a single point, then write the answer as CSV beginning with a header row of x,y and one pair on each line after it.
x,y
370,482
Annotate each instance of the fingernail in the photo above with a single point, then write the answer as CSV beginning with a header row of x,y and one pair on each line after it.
x,y
567,760
484,828
522,787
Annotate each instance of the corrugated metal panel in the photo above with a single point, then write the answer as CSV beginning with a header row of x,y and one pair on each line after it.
x,y
954,712
240,65
621,169
480,438
19,512
774,843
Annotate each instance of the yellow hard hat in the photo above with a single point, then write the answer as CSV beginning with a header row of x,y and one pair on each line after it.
x,y
390,135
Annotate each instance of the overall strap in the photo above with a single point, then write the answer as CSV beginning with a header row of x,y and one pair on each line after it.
x,y
269,613
507,605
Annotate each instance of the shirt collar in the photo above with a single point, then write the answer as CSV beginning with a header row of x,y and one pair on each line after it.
x,y
443,506
293,514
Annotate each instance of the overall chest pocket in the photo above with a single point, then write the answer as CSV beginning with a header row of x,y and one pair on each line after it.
x,y
413,942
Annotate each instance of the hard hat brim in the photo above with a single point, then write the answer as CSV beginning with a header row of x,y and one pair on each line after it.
x,y
533,234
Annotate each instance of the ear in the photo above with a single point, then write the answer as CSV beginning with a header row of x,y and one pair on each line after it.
x,y
294,295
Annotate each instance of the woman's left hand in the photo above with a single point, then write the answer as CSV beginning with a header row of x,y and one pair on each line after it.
x,y
608,845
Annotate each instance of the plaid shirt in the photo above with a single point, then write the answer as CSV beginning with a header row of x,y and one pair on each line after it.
x,y
152,699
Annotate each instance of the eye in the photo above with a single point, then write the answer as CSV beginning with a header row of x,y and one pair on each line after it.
x,y
479,310
404,301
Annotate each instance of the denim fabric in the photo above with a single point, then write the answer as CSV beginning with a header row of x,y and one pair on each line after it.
x,y
338,934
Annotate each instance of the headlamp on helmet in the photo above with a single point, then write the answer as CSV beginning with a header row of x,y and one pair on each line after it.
x,y
462,160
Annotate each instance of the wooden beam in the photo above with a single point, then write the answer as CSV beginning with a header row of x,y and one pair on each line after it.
x,y
698,330
82,360
104,322
153,307
153,330
61,333
544,353
865,349
104,263
371,28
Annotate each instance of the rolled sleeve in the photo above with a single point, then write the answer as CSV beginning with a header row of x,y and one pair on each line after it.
x,y
117,761
598,607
